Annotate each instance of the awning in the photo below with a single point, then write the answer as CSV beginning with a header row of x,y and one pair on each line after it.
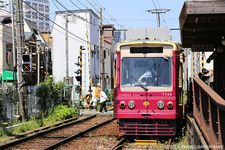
x,y
202,24
8,75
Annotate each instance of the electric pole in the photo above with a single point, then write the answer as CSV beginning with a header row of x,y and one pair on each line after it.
x,y
20,50
67,55
102,65
67,81
13,33
158,12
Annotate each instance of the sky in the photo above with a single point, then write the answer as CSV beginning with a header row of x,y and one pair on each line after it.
x,y
128,13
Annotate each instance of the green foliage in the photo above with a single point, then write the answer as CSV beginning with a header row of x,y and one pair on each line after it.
x,y
50,94
110,94
61,112
30,125
2,133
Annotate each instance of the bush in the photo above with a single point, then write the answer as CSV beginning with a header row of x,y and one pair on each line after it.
x,y
50,94
61,112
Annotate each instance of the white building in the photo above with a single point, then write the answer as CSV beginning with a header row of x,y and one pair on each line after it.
x,y
30,14
83,30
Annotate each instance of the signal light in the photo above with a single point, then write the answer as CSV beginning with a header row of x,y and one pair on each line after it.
x,y
78,78
26,63
26,67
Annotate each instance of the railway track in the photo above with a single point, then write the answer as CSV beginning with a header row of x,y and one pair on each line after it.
x,y
53,137
126,144
103,138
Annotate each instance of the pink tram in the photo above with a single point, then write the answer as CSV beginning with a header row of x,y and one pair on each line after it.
x,y
148,94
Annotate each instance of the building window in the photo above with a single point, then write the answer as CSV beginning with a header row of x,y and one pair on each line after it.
x,y
8,47
28,15
41,17
34,15
46,8
46,17
34,5
41,7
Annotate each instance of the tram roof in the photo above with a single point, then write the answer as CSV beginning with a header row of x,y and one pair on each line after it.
x,y
175,45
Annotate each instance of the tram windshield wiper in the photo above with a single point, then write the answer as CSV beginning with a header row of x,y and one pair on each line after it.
x,y
142,86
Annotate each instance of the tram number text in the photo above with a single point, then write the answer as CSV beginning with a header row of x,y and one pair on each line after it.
x,y
167,94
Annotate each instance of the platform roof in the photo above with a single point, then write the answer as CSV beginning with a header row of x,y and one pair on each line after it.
x,y
202,24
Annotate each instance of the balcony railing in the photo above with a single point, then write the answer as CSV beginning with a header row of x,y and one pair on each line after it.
x,y
209,113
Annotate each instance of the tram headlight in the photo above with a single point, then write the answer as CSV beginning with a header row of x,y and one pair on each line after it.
x,y
122,105
170,105
131,104
161,104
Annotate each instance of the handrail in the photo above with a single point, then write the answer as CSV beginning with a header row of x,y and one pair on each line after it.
x,y
209,113
219,100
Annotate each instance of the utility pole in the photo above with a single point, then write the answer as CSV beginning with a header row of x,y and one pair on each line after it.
x,y
13,34
158,12
38,42
67,55
20,49
102,64
67,82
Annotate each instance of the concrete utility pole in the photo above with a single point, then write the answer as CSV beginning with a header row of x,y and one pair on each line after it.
x,y
158,12
67,51
13,33
20,49
101,52
38,42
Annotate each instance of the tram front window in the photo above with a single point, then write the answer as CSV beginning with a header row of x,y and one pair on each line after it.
x,y
147,71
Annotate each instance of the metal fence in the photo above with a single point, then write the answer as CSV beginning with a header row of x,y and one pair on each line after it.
x,y
209,113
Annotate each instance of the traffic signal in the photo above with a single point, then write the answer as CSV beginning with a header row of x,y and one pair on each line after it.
x,y
79,73
26,63
79,64
79,78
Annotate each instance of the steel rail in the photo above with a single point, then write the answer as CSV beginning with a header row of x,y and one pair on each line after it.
x,y
68,139
119,144
46,130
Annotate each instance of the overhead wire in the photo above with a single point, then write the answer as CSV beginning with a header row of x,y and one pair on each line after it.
x,y
74,4
107,13
55,4
93,6
62,27
82,4
79,17
98,11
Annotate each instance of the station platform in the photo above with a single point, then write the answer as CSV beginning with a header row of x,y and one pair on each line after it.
x,y
84,112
